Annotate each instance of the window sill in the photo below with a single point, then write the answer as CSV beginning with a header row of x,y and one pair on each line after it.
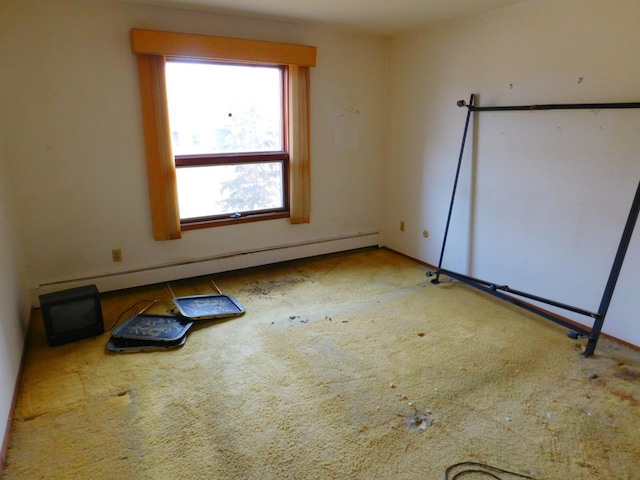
x,y
220,222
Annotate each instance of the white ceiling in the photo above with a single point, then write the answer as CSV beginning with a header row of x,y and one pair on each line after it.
x,y
380,17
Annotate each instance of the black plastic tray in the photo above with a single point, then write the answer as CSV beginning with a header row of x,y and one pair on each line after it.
x,y
205,307
129,345
158,328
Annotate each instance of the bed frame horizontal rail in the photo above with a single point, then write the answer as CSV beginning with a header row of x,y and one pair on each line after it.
x,y
511,297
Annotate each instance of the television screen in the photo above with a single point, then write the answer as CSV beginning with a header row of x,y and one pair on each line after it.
x,y
72,314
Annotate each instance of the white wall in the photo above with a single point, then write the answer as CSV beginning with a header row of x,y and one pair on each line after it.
x,y
14,308
543,196
543,216
73,131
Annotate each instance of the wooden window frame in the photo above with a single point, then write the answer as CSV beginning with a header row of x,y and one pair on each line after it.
x,y
200,160
153,48
230,159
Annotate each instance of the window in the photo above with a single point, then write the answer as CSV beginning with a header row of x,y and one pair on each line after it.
x,y
228,141
279,159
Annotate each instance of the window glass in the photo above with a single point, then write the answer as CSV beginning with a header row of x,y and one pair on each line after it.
x,y
229,189
222,108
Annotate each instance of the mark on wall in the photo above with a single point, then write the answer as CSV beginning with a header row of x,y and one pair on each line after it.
x,y
349,112
348,126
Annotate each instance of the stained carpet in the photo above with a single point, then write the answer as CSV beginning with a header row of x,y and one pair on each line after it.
x,y
348,366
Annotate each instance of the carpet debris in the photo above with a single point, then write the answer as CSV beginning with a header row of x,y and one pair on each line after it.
x,y
260,288
418,421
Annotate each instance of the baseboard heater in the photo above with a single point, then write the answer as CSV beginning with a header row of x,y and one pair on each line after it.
x,y
227,261
511,295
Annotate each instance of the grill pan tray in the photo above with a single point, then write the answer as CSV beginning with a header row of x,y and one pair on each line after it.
x,y
150,327
206,307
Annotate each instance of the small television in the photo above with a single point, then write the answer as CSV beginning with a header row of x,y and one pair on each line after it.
x,y
72,314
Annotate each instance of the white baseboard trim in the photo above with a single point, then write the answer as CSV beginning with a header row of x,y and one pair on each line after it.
x,y
210,265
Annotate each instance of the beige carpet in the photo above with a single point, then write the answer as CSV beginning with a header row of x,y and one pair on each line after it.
x,y
350,366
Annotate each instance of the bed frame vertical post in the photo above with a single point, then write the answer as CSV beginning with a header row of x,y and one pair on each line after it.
x,y
455,183
614,274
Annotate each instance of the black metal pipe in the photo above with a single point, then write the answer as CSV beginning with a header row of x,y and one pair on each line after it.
x,y
455,186
551,106
553,303
527,306
615,272
493,287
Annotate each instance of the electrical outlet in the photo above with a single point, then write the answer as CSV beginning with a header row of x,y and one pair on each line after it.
x,y
116,255
402,225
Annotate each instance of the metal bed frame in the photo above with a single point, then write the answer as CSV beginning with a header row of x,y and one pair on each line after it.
x,y
508,294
